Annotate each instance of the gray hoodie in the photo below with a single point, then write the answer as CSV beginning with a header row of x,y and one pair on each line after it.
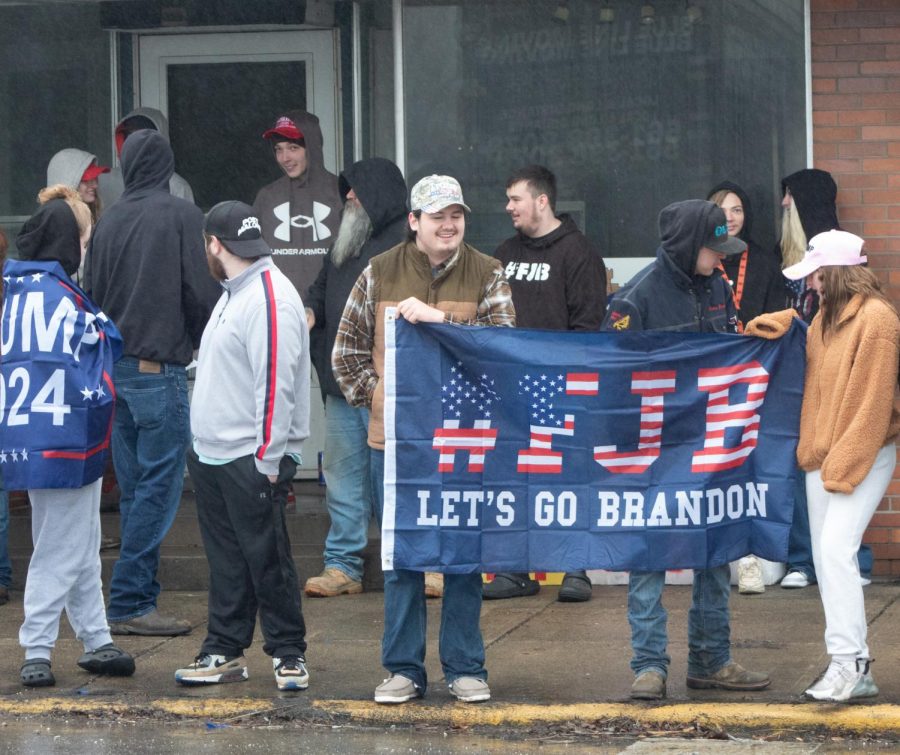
x,y
111,184
300,216
251,393
68,166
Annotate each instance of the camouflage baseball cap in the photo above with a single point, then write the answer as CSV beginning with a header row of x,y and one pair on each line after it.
x,y
434,193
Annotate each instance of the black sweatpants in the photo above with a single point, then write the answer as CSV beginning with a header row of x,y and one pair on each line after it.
x,y
250,564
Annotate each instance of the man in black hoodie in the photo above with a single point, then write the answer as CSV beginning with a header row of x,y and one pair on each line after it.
x,y
373,221
146,267
558,282
684,290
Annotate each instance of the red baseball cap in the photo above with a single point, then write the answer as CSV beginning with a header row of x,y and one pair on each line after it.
x,y
285,127
92,171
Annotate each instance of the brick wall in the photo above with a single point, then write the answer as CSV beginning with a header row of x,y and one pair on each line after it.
x,y
856,136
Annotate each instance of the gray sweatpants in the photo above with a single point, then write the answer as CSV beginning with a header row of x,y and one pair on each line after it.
x,y
64,571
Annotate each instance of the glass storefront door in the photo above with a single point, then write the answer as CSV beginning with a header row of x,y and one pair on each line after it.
x,y
220,92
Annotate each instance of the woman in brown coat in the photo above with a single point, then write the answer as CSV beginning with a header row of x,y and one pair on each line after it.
x,y
848,424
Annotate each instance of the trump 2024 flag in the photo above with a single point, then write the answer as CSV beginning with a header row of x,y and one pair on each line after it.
x,y
525,450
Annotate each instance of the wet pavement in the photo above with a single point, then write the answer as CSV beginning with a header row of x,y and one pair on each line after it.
x,y
550,664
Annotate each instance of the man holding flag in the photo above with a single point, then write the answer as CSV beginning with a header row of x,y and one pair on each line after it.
x,y
683,290
432,277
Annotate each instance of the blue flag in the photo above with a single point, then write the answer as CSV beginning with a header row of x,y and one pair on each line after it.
x,y
57,394
524,450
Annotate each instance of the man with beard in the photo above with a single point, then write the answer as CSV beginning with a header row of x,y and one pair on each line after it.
x,y
374,220
249,418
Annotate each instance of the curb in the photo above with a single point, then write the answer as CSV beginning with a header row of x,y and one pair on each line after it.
x,y
747,716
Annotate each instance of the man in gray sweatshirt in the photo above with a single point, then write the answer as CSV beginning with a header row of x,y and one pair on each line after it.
x,y
249,418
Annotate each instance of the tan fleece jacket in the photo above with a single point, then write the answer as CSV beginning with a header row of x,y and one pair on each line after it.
x,y
850,407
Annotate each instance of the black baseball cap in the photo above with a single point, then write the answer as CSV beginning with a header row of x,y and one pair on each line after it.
x,y
235,224
717,237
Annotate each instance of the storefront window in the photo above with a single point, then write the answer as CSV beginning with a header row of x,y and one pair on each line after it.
x,y
376,49
632,104
55,74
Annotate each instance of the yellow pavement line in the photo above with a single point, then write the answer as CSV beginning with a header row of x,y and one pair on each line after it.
x,y
850,718
801,716
189,708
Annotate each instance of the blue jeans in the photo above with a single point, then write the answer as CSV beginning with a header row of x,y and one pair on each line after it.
x,y
5,565
151,433
799,545
348,494
403,645
709,632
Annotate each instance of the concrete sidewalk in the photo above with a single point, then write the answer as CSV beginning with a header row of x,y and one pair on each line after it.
x,y
548,662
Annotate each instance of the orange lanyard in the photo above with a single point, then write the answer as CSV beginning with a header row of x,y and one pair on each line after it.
x,y
737,289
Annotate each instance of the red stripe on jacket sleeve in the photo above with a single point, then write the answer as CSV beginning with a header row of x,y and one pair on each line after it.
x,y
271,366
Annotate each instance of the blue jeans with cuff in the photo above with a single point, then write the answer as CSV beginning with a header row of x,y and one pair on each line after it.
x,y
709,630
403,645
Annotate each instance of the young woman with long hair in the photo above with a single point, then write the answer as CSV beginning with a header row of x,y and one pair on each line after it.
x,y
848,425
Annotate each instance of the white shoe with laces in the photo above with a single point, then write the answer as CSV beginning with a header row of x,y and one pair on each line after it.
x,y
750,579
795,580
844,681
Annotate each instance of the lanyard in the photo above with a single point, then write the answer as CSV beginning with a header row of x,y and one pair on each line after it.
x,y
737,289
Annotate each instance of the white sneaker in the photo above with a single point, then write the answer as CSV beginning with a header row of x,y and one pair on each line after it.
x,y
750,580
209,668
845,681
291,672
794,580
865,581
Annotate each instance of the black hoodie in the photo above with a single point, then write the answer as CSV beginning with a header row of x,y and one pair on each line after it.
x,y
558,281
762,286
300,216
381,190
146,264
668,294
815,193
51,235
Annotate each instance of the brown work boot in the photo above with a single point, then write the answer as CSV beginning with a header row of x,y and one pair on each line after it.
x,y
434,585
731,676
332,582
153,624
649,685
